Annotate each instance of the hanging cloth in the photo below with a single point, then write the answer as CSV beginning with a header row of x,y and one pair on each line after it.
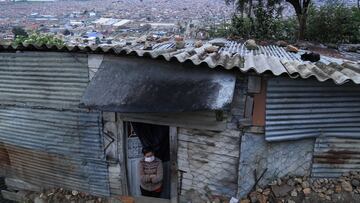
x,y
155,137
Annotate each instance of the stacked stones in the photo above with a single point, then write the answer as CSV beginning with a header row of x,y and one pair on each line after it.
x,y
325,187
348,182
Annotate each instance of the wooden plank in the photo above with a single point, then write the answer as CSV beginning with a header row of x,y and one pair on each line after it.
x,y
174,165
254,84
196,120
249,104
260,106
115,179
121,153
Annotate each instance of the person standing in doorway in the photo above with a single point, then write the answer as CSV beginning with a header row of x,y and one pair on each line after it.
x,y
151,174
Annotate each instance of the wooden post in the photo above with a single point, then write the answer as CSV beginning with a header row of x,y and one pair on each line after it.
x,y
121,153
174,168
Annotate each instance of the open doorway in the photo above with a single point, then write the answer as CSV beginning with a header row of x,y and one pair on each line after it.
x,y
148,136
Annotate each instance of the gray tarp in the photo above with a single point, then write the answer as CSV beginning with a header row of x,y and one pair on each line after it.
x,y
126,84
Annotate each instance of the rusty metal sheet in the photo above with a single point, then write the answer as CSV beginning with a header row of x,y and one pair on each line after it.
x,y
297,109
53,171
334,156
51,148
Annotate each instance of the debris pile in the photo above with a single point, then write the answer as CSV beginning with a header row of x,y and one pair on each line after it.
x,y
299,189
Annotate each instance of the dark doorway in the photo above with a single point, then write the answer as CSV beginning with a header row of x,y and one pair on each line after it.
x,y
156,137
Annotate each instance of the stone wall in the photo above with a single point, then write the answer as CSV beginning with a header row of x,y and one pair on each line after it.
x,y
280,159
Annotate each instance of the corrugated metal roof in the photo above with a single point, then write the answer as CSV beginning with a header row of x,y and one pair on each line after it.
x,y
334,156
43,79
51,148
305,108
233,55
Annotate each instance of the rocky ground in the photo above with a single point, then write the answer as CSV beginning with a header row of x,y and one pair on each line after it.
x,y
65,196
345,189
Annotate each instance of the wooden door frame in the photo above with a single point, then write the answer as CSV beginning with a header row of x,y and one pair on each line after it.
x,y
173,138
122,153
173,144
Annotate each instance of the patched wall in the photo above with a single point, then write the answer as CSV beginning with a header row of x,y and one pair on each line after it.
x,y
113,146
280,159
210,159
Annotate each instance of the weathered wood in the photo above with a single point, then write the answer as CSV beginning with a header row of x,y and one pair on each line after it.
x,y
256,129
122,154
110,141
254,84
249,104
109,116
115,179
258,118
174,166
196,120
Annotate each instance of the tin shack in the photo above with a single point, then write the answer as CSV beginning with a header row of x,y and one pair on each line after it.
x,y
78,117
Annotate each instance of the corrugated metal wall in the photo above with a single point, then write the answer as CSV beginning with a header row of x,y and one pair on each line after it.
x,y
334,156
50,141
43,79
298,109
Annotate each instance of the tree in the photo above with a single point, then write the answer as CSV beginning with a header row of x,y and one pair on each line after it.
x,y
258,17
19,31
300,6
301,9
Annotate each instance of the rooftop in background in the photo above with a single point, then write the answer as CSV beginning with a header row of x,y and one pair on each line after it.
x,y
220,53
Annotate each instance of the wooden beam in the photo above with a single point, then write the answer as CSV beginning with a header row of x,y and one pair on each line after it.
x,y
254,84
206,120
249,104
174,165
121,152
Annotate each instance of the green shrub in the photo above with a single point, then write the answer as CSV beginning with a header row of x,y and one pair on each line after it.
x,y
264,26
222,30
334,23
38,39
